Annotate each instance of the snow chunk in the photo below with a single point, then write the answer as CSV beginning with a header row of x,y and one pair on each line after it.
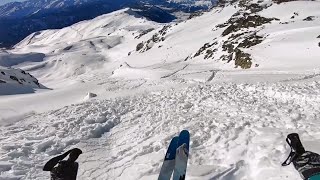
x,y
89,96
5,166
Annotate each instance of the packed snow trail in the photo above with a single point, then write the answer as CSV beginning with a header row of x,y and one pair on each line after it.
x,y
237,132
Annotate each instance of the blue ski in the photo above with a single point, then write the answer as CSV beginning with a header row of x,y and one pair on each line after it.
x,y
182,155
169,160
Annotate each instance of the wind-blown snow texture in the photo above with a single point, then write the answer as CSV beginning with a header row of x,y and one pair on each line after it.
x,y
238,131
123,86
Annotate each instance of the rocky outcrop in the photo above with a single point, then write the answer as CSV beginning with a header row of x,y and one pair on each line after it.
x,y
239,21
18,76
156,38
144,33
195,14
240,33
282,1
139,46
309,18
206,47
242,59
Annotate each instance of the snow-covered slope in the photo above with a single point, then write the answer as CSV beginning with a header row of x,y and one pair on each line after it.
x,y
239,78
235,37
237,132
85,46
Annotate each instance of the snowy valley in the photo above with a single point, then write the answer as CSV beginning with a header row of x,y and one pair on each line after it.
x,y
239,77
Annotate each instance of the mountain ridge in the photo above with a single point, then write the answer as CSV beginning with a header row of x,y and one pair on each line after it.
x,y
20,19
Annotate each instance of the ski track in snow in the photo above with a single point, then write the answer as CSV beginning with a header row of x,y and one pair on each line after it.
x,y
237,132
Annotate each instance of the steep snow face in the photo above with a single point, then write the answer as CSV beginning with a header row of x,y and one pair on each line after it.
x,y
116,24
9,59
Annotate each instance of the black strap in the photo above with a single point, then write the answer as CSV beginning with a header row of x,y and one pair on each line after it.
x,y
291,156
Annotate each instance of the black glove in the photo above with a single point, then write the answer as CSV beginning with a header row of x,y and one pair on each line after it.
x,y
305,162
54,161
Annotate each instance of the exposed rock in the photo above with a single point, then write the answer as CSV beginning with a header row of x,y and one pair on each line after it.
x,y
210,53
164,30
202,49
67,48
149,45
15,79
3,73
319,44
282,1
227,58
232,47
235,36
245,21
251,41
2,81
144,33
309,18
222,25
241,32
156,38
253,7
195,14
318,36
223,3
139,46
229,47
242,59
37,83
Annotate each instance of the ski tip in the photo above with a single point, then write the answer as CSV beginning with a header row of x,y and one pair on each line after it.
x,y
185,132
175,139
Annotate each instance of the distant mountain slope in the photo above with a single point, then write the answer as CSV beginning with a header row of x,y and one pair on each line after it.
x,y
20,19
236,34
86,46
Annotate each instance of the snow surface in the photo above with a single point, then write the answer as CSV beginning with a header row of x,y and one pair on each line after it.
x,y
122,107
